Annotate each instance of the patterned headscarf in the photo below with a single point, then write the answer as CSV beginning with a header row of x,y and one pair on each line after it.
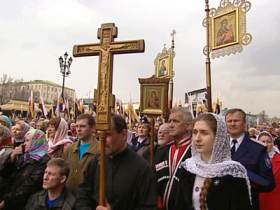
x,y
6,121
38,148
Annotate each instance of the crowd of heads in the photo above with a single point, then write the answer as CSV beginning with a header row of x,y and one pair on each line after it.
x,y
179,123
36,138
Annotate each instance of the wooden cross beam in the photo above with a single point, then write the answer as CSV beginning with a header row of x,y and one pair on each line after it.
x,y
105,50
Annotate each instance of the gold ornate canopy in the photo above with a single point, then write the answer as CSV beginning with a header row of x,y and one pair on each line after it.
x,y
227,27
164,63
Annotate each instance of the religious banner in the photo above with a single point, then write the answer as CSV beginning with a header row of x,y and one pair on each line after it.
x,y
164,63
154,103
154,96
227,28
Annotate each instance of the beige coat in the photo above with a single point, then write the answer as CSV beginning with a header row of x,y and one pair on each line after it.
x,y
77,166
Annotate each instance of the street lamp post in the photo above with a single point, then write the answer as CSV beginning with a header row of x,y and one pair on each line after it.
x,y
64,64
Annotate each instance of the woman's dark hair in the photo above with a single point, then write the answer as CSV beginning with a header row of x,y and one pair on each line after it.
x,y
209,119
55,121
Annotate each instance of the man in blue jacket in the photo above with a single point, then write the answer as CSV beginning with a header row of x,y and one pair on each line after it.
x,y
251,154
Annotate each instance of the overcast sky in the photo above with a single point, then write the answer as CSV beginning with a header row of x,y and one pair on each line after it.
x,y
35,33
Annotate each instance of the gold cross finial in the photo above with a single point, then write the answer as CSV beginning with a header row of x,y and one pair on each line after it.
x,y
173,35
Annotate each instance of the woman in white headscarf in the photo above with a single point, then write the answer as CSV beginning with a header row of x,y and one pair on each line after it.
x,y
210,180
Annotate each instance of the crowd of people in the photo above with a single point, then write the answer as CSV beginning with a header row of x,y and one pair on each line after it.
x,y
212,162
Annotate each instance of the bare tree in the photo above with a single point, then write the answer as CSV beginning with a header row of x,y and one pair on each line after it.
x,y
4,80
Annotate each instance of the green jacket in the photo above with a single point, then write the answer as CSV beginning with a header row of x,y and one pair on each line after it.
x,y
77,166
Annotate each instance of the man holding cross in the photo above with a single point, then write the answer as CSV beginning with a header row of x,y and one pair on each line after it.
x,y
130,183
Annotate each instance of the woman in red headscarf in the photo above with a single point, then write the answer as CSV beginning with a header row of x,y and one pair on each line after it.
x,y
270,200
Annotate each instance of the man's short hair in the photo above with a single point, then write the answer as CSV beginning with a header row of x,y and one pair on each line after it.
x,y
164,126
20,123
232,111
185,114
119,123
146,126
91,120
62,164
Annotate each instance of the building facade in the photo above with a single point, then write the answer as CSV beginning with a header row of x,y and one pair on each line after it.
x,y
21,91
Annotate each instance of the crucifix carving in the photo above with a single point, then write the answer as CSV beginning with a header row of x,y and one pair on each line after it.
x,y
105,50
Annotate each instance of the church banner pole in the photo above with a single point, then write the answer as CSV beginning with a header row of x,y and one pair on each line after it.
x,y
152,143
208,61
172,73
171,84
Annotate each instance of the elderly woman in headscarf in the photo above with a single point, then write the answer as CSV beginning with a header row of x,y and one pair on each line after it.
x,y
23,175
57,137
6,145
253,132
6,121
270,200
5,137
210,179
20,129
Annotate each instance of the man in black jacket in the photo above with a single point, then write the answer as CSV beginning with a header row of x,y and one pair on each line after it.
x,y
251,154
168,158
130,184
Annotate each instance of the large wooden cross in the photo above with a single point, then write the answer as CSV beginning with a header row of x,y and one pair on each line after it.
x,y
105,50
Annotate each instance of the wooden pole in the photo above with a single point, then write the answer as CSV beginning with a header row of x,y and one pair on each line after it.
x,y
102,172
172,74
208,61
152,143
171,84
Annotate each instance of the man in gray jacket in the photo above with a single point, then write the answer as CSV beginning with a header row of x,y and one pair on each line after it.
x,y
55,196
